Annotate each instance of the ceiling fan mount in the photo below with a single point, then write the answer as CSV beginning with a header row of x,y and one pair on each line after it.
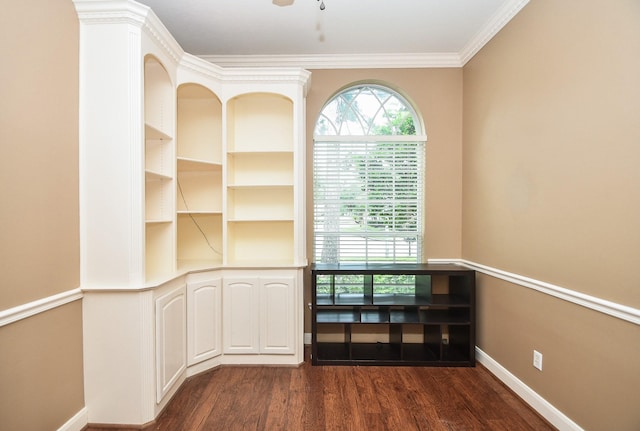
x,y
290,2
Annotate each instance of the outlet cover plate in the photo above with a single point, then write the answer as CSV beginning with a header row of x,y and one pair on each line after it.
x,y
537,360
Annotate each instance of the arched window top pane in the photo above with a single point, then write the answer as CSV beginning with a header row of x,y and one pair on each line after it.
x,y
367,110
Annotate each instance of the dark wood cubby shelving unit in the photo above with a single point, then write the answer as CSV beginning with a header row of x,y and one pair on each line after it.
x,y
393,314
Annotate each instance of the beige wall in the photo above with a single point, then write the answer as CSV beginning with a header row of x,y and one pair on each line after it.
x,y
41,370
437,96
41,356
39,150
551,190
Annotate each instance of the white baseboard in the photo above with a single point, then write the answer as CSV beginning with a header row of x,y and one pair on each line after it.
x,y
539,404
77,422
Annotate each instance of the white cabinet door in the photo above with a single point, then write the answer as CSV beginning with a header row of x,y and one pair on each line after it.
x,y
259,315
277,315
171,345
240,317
204,320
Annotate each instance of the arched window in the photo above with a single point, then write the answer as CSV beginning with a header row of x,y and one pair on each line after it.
x,y
368,167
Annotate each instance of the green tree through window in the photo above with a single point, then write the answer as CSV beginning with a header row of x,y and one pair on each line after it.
x,y
368,178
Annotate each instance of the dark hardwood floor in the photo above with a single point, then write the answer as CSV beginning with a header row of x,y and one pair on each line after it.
x,y
343,398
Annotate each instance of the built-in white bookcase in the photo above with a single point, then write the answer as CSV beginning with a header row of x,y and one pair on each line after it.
x,y
159,126
199,171
191,185
260,179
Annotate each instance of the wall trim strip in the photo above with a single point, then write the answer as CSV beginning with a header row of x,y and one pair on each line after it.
x,y
32,308
77,422
538,403
610,308
340,61
380,60
502,17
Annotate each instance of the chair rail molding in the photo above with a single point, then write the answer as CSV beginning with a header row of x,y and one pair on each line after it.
x,y
32,308
610,308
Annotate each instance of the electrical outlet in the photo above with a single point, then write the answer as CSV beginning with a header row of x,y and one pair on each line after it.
x,y
537,360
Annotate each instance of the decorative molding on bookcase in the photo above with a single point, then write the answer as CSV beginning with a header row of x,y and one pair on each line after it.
x,y
32,308
129,12
538,403
280,74
610,308
112,12
77,422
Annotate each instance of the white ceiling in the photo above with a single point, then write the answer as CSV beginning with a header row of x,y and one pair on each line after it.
x,y
419,32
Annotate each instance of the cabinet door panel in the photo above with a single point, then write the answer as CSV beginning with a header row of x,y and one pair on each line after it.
x,y
204,320
170,340
240,317
277,326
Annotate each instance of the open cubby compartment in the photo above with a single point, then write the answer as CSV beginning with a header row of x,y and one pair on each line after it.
x,y
460,290
401,289
158,198
159,258
260,203
377,289
199,187
376,342
422,343
460,346
352,289
159,106
199,128
333,342
260,169
199,240
260,243
260,122
436,315
324,289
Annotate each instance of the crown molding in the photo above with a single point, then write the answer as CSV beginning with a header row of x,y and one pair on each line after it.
x,y
340,61
495,24
110,11
380,61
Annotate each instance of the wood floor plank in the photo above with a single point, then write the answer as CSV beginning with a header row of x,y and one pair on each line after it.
x,y
343,398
